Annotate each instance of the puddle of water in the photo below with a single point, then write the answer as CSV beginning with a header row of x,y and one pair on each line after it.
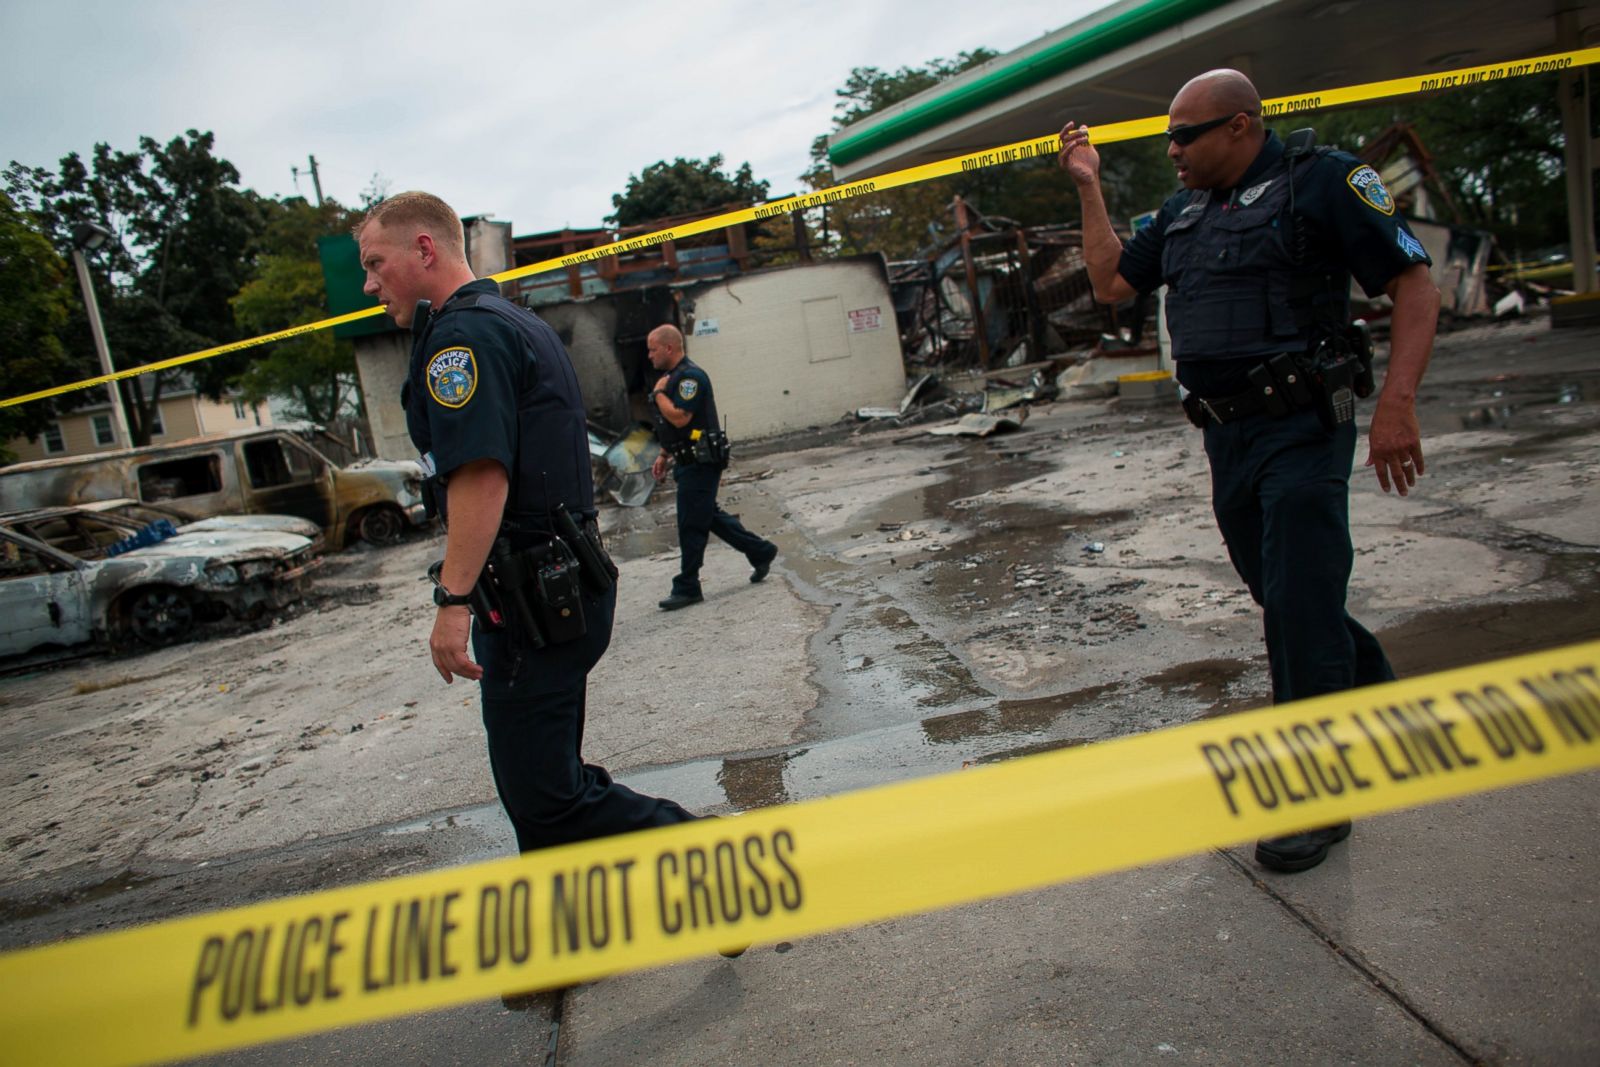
x,y
1458,636
1210,680
1009,717
876,757
1518,402
756,781
879,668
11,911
933,502
1031,750
488,819
646,531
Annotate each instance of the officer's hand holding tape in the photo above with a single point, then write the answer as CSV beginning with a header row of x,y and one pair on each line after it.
x,y
1078,157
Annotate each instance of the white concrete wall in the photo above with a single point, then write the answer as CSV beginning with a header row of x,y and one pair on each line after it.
x,y
488,246
788,354
381,362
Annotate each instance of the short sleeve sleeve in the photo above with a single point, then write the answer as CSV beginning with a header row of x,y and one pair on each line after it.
x,y
1359,218
689,391
471,377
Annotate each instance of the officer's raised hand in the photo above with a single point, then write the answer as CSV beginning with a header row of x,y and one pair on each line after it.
x,y
1078,158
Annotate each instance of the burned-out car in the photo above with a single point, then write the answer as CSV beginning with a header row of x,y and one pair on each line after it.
x,y
248,472
145,514
70,576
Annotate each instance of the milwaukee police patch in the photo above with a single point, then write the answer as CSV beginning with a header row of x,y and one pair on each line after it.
x,y
687,388
453,376
1368,186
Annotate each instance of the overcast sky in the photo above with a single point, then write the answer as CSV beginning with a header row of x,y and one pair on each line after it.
x,y
530,112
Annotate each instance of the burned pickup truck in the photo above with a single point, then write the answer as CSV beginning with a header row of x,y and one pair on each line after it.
x,y
69,576
250,472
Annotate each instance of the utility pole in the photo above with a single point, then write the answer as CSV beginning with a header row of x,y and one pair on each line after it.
x,y
316,182
91,236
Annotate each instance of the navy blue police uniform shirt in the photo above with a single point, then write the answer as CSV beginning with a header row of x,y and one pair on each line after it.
x,y
1352,222
687,387
469,376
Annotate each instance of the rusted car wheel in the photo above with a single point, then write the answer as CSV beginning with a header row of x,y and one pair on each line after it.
x,y
158,615
380,526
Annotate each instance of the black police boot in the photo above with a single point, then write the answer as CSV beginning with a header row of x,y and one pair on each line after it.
x,y
1299,852
762,566
679,600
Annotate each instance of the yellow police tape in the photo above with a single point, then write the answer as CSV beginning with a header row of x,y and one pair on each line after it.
x,y
1034,148
572,914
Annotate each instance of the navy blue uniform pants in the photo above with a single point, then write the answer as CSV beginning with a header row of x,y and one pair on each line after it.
x,y
699,518
1280,489
533,711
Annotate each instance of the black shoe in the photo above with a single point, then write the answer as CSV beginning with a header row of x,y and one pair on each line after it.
x,y
679,600
1299,852
762,568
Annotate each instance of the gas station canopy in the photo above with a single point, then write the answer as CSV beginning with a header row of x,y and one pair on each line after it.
x,y
1127,60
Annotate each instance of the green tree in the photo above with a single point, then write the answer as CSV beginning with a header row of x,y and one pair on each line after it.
x,y
897,222
910,221
868,90
683,187
184,243
37,284
315,372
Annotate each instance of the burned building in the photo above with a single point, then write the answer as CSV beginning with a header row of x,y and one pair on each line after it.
x,y
791,343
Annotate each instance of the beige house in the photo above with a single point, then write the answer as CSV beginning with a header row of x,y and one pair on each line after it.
x,y
182,413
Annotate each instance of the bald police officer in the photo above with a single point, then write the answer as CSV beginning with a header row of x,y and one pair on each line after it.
x,y
690,434
1257,253
492,405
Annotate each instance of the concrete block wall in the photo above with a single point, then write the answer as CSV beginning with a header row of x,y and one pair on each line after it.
x,y
799,347
381,361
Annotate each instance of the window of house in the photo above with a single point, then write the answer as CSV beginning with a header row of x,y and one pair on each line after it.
x,y
157,427
193,476
53,441
238,409
103,434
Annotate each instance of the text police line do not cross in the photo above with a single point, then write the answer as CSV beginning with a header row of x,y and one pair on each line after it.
x,y
574,913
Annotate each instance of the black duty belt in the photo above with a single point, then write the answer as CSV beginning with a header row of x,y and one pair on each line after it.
x,y
1233,408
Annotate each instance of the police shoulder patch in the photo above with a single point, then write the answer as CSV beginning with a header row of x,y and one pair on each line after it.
x,y
453,376
687,388
1369,187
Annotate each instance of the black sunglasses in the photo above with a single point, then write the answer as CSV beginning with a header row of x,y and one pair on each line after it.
x,y
1184,136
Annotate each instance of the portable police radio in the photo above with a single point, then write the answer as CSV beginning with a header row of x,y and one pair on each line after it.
x,y
420,316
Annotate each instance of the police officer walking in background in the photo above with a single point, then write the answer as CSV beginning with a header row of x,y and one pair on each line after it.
x,y
493,406
1257,253
689,432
